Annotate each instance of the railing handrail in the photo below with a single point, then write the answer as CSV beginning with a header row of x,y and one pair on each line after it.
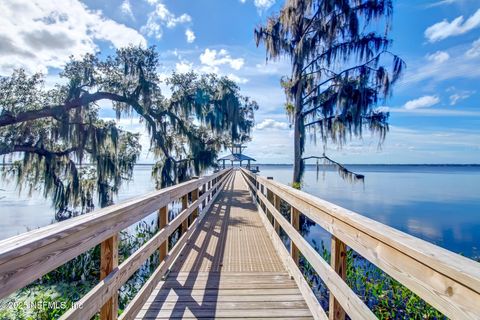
x,y
28,256
446,280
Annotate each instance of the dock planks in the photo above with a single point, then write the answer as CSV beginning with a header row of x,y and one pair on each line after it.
x,y
228,270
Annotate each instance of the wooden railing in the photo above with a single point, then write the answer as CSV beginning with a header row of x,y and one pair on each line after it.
x,y
28,256
445,280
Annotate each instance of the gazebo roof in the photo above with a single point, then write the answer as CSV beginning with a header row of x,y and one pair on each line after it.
x,y
236,157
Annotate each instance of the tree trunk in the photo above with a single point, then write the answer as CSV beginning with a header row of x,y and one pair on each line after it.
x,y
298,122
297,162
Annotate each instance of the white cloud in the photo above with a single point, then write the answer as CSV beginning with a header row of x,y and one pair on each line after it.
x,y
126,9
183,67
456,97
422,102
261,5
190,35
272,124
214,58
47,33
458,26
457,67
441,3
438,57
237,79
264,4
474,51
160,17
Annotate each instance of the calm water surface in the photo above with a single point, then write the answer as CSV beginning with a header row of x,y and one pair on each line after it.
x,y
440,204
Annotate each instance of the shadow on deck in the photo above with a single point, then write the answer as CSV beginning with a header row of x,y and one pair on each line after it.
x,y
228,269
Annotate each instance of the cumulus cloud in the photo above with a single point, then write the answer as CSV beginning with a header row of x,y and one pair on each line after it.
x,y
190,35
183,67
261,5
438,57
213,58
463,58
272,124
161,17
458,26
47,33
474,51
237,79
422,102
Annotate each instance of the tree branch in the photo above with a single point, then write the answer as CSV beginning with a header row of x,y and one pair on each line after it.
x,y
57,110
341,168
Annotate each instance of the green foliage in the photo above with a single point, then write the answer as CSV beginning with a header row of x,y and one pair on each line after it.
x,y
57,142
56,292
385,296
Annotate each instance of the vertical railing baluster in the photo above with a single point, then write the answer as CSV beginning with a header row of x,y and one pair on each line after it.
x,y
204,202
162,222
195,198
209,186
295,221
184,200
338,261
108,262
271,198
276,203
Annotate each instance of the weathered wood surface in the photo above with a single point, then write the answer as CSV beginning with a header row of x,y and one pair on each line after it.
x,y
445,280
108,262
134,306
42,250
343,294
100,294
338,261
228,269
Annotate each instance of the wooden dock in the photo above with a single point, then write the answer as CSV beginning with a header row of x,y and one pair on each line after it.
x,y
228,269
230,262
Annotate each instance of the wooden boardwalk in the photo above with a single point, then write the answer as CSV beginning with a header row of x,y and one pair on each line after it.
x,y
229,269
230,262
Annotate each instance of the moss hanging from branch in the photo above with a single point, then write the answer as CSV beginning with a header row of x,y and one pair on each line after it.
x,y
341,169
341,68
58,143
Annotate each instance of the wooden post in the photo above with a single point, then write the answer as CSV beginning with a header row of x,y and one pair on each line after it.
x,y
209,186
195,198
276,203
162,222
204,202
295,221
338,261
270,199
108,262
184,206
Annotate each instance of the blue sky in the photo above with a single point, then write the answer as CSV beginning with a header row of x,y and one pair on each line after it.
x,y
435,109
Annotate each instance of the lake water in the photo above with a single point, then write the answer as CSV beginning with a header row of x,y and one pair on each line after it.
x,y
440,204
